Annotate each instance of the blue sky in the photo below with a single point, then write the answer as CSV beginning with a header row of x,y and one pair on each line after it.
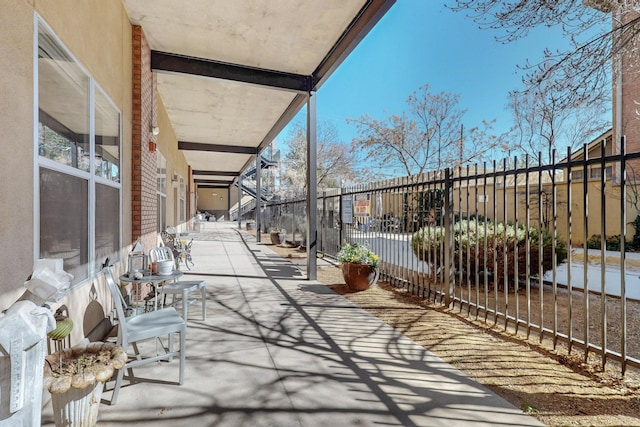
x,y
418,42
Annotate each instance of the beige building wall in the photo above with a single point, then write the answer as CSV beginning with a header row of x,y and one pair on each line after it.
x,y
99,35
176,168
104,49
16,122
483,202
217,204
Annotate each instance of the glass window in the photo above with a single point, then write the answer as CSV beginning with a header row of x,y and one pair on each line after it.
x,y
72,226
64,220
107,125
183,207
63,109
107,223
162,190
577,175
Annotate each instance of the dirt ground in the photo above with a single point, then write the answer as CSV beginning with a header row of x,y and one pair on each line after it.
x,y
557,388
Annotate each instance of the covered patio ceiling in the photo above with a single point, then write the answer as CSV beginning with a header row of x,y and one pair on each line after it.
x,y
232,74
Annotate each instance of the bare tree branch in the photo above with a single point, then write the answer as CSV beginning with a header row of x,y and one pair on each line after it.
x,y
429,136
334,160
598,31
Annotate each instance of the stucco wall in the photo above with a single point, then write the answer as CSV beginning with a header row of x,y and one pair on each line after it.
x,y
218,204
98,34
16,122
176,163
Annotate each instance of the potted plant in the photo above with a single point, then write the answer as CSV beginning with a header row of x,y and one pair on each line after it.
x,y
359,266
75,378
277,236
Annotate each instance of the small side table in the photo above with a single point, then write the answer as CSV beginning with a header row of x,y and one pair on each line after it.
x,y
153,280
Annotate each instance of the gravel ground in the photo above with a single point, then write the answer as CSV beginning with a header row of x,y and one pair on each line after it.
x,y
558,388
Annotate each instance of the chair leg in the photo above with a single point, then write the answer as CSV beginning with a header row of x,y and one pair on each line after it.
x,y
116,387
183,347
185,304
170,346
204,300
136,351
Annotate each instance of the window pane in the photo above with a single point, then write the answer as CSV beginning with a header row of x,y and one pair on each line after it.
x,y
182,200
63,95
64,221
107,125
107,224
162,191
162,174
162,223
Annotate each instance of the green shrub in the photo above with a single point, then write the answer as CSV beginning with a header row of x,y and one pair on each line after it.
x,y
635,242
594,242
468,238
613,243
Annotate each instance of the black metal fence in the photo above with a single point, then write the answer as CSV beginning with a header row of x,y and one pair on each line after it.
x,y
539,249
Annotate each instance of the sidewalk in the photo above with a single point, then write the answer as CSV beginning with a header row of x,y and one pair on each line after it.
x,y
278,350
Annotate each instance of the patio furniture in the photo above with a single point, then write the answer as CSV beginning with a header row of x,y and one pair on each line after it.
x,y
138,301
180,247
180,289
146,326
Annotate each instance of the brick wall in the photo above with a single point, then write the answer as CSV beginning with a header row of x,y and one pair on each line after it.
x,y
143,161
628,124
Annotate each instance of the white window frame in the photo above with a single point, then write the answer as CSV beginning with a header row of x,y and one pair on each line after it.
x,y
90,176
183,198
161,195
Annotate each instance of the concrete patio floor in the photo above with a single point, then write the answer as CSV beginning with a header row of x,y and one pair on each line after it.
x,y
278,350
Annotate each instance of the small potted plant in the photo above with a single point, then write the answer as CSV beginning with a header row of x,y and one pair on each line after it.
x,y
277,236
359,266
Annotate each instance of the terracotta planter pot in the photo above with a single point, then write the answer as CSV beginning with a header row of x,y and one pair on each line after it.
x,y
359,277
275,238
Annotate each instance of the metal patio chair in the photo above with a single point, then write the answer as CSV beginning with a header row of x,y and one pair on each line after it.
x,y
179,288
146,326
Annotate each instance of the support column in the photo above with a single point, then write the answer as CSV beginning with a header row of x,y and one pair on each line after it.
x,y
240,201
258,198
312,189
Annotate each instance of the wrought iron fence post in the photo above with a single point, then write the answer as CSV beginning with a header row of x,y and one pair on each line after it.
x,y
448,238
340,222
323,225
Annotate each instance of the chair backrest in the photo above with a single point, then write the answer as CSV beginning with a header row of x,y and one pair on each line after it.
x,y
118,301
161,253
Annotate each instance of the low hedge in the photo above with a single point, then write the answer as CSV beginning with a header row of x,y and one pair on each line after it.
x,y
427,243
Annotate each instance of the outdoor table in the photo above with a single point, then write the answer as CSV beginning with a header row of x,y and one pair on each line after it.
x,y
154,280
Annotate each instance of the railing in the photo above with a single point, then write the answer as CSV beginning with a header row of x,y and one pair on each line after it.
x,y
246,207
250,205
505,245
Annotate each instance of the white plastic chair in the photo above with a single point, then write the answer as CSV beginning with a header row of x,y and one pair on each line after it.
x,y
142,327
181,288
161,253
